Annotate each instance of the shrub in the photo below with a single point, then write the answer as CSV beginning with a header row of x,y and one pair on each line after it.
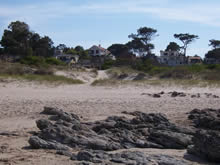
x,y
33,60
43,71
213,66
108,64
177,73
54,61
196,68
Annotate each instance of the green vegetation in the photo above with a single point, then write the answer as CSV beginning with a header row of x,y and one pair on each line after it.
x,y
19,40
52,79
40,61
38,74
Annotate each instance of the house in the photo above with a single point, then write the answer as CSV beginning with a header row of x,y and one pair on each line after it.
x,y
194,60
68,58
172,58
98,51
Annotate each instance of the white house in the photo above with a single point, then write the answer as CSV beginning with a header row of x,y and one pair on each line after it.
x,y
172,58
98,51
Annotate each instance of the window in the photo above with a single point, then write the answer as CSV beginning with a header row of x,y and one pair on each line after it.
x,y
91,51
97,51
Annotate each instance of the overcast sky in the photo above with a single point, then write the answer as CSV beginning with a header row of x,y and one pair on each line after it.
x,y
89,22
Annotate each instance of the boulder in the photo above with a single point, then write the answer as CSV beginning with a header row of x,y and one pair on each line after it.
x,y
170,139
206,144
206,118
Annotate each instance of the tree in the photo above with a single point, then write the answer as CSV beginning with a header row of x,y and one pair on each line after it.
x,y
19,40
141,41
117,49
214,43
1,50
173,46
15,39
79,48
45,47
61,48
215,53
186,39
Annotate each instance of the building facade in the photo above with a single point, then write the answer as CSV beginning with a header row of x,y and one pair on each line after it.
x,y
172,58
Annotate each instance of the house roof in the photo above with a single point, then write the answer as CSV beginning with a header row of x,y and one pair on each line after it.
x,y
194,58
101,48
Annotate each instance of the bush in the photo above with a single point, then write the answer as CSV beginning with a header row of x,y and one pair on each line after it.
x,y
33,60
213,66
177,73
54,61
196,68
108,64
43,71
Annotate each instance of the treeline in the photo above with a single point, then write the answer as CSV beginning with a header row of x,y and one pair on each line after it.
x,y
19,40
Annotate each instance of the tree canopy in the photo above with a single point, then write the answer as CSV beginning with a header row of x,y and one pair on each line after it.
x,y
173,46
214,43
141,42
19,40
215,53
118,49
186,39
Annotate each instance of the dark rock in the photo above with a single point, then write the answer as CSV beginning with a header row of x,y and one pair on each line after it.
x,y
65,153
38,143
127,158
177,94
206,118
51,111
206,144
140,76
116,132
196,95
156,96
210,95
122,76
43,123
169,139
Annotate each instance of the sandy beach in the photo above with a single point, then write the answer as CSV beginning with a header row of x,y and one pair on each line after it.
x,y
21,103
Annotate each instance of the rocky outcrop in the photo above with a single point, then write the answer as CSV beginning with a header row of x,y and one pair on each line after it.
x,y
206,118
127,158
206,144
206,141
62,131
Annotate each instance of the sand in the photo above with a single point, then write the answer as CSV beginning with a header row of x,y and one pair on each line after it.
x,y
20,104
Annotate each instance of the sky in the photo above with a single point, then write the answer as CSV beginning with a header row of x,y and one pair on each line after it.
x,y
105,22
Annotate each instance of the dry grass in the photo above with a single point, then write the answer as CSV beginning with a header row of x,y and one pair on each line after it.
x,y
159,82
116,71
52,79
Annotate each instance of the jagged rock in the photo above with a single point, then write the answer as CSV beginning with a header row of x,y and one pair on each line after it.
x,y
43,123
206,144
38,143
206,118
116,132
169,139
65,153
127,158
